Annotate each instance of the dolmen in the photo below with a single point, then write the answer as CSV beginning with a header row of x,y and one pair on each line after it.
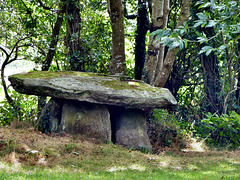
x,y
107,108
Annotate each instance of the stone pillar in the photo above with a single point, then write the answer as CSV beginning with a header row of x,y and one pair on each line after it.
x,y
129,128
88,119
50,117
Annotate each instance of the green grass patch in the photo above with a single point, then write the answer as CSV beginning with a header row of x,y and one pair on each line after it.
x,y
69,157
208,172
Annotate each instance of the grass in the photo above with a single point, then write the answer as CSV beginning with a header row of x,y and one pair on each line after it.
x,y
61,156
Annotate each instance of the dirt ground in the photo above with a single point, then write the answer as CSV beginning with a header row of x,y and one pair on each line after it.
x,y
23,145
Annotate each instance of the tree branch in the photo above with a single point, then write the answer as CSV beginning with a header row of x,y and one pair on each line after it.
x,y
54,41
226,99
16,53
4,50
4,64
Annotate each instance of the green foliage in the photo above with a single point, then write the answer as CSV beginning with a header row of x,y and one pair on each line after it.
x,y
95,36
220,131
11,145
224,18
171,38
213,29
27,112
7,147
164,131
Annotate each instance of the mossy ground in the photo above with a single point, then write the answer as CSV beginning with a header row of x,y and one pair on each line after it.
x,y
61,156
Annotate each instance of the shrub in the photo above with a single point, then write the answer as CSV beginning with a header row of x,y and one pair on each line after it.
x,y
27,112
164,131
220,131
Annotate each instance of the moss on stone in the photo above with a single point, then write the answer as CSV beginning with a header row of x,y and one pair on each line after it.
x,y
112,82
52,74
131,85
118,85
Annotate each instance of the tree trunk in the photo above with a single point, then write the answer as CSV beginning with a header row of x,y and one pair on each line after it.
x,y
73,23
159,10
14,51
117,61
140,47
179,71
158,65
4,85
53,45
212,83
238,77
165,69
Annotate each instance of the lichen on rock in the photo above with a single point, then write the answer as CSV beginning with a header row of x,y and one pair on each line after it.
x,y
94,88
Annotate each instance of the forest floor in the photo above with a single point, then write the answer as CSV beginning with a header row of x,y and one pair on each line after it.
x,y
27,154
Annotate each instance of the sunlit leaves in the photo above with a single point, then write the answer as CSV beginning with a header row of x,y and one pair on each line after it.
x,y
235,28
161,33
202,16
171,38
222,47
212,23
206,49
202,39
222,18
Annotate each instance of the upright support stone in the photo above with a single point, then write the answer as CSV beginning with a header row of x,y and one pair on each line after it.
x,y
88,119
50,117
129,128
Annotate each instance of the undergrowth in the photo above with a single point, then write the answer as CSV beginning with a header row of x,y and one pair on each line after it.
x,y
220,132
164,131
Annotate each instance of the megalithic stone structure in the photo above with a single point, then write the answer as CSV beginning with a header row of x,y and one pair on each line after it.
x,y
108,108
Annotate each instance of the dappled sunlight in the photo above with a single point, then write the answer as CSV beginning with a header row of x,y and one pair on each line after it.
x,y
137,167
163,164
192,167
227,167
112,169
131,167
10,168
196,145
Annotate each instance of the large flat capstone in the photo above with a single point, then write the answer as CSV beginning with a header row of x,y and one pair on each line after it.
x,y
93,88
107,108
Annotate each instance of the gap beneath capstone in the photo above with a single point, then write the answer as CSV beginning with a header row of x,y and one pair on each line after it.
x,y
121,125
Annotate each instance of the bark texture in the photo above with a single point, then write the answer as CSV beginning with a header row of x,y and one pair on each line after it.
x,y
140,47
73,41
158,65
117,61
155,55
52,48
212,83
